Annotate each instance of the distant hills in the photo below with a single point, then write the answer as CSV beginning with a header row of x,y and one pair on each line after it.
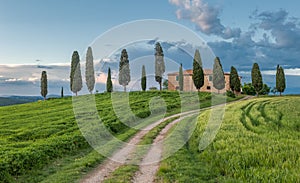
x,y
12,100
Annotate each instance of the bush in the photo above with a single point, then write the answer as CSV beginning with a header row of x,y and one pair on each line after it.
x,y
230,94
248,89
265,90
153,88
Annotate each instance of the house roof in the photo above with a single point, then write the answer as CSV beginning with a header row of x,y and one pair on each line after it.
x,y
190,72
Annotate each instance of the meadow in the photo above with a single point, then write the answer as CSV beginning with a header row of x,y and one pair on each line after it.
x,y
41,142
257,142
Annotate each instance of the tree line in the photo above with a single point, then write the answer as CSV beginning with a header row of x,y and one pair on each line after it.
x,y
197,76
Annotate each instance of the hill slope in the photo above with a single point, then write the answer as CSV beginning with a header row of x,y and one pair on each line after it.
x,y
258,142
41,142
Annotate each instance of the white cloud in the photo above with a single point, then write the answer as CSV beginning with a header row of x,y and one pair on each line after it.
x,y
12,80
288,72
206,18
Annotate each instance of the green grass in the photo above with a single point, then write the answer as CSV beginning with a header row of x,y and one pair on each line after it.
x,y
257,142
41,142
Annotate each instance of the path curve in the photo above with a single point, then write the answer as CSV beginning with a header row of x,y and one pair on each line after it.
x,y
123,154
146,173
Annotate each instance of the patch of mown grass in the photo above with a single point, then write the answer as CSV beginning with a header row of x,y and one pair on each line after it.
x,y
238,154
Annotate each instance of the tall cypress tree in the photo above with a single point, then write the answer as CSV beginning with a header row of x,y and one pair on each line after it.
x,y
218,75
234,80
143,79
89,70
159,64
280,80
180,78
44,85
75,75
198,74
124,70
257,81
62,92
109,87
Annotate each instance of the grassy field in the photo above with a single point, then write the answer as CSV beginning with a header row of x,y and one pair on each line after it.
x,y
257,142
41,142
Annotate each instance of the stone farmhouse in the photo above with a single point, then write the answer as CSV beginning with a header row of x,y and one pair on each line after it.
x,y
188,84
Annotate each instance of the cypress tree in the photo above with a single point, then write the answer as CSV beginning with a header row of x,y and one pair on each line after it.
x,y
124,70
75,75
198,74
218,75
180,78
62,92
44,85
109,87
144,79
89,70
234,80
256,78
159,64
280,80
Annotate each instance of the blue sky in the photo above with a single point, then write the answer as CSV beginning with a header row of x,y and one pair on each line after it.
x,y
239,32
50,30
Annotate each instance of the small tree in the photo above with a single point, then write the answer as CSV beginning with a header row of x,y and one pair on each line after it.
x,y
256,78
280,80
248,89
89,70
143,79
62,92
218,75
180,78
75,75
124,70
234,80
44,85
109,87
159,64
265,90
165,84
198,74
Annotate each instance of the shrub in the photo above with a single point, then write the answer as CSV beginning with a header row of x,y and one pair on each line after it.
x,y
153,88
248,89
230,94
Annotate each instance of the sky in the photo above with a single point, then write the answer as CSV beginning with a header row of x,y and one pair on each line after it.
x,y
41,35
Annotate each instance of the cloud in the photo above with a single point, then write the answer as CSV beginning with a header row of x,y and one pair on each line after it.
x,y
25,79
288,72
278,44
283,29
205,17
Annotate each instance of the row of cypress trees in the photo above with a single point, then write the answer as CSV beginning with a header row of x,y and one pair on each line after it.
x,y
124,70
198,74
257,81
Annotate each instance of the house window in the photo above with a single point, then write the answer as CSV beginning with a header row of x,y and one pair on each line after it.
x,y
177,78
177,87
210,77
208,88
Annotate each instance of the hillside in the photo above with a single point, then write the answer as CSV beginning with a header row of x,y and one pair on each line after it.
x,y
258,142
41,142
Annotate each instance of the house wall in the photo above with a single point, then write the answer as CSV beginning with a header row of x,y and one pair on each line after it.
x,y
188,84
